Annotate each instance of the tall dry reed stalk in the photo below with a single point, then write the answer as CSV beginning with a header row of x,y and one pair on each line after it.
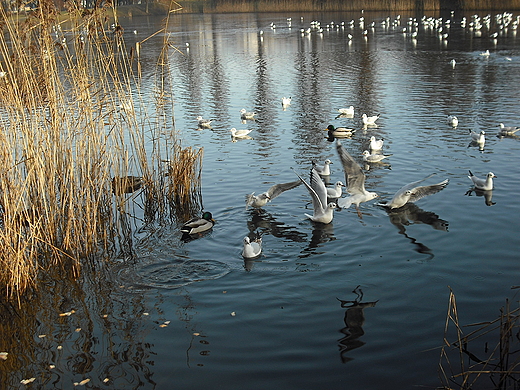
x,y
487,357
72,118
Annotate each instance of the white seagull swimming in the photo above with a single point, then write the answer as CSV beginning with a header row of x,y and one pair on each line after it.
x,y
258,201
370,120
374,157
349,112
204,123
452,120
286,102
376,144
508,130
239,133
413,192
482,184
245,115
253,248
323,212
478,138
336,191
355,179
324,169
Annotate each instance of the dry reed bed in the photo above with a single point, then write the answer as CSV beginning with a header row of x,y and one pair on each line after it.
x,y
68,102
487,357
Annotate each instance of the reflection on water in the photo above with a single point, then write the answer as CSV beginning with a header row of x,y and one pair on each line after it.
x,y
354,320
487,195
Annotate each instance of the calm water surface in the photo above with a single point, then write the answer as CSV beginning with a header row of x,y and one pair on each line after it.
x,y
279,321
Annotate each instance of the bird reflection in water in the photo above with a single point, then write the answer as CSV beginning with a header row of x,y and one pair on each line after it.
x,y
411,214
320,234
354,320
488,195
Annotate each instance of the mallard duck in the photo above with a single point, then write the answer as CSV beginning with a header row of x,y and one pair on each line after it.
x,y
339,132
482,184
198,225
126,184
253,248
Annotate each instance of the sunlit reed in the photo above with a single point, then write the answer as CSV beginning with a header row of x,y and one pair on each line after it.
x,y
71,121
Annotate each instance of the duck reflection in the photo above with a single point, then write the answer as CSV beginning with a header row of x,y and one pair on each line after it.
x,y
354,320
411,214
488,195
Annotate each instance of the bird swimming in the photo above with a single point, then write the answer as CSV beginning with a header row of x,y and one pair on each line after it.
x,y
349,112
507,130
478,138
339,132
374,157
244,114
258,201
286,102
324,169
204,123
336,191
452,120
239,133
198,225
482,184
323,211
369,120
376,144
412,192
253,248
355,179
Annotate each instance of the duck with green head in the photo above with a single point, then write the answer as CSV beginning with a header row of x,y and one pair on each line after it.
x,y
198,225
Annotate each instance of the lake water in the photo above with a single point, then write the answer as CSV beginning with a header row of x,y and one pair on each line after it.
x,y
195,315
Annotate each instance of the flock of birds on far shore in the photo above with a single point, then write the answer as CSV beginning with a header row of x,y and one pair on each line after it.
x,y
327,199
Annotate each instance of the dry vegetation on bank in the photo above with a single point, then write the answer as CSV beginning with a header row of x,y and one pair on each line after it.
x,y
71,119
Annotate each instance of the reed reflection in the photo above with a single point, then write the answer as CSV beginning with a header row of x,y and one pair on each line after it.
x,y
354,320
411,214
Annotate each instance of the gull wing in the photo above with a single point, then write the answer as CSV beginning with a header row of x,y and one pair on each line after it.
x,y
411,186
317,190
354,176
277,189
422,191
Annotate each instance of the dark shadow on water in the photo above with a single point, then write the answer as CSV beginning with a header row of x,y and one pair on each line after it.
x,y
262,222
411,214
354,320
487,195
320,234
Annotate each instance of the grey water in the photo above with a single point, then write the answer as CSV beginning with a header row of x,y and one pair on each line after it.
x,y
359,303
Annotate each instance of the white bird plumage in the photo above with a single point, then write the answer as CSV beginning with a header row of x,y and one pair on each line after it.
x,y
369,120
479,138
239,133
413,192
323,211
204,123
355,179
376,144
482,184
324,169
374,157
245,115
253,248
349,112
258,201
286,101
508,130
336,191
452,120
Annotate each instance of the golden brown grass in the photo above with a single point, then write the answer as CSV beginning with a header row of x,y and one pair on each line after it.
x,y
71,120
487,357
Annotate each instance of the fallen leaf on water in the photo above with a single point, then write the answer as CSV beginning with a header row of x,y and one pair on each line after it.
x,y
233,313
163,326
26,381
67,313
196,334
3,355
78,330
84,381
105,380
52,366
59,347
42,336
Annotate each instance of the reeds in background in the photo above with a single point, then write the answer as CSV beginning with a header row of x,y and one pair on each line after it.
x,y
69,98
487,357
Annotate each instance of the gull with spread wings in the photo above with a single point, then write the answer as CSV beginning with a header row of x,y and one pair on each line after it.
x,y
323,212
355,179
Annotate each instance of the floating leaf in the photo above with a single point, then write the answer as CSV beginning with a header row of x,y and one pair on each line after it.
x,y
26,381
233,314
3,355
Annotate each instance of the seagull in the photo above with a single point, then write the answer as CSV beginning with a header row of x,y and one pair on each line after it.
x,y
508,130
413,192
376,144
347,111
258,201
323,212
355,179
373,157
485,53
339,131
336,191
453,63
253,248
482,184
370,120
244,115
286,102
239,133
204,123
324,169
478,138
453,120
